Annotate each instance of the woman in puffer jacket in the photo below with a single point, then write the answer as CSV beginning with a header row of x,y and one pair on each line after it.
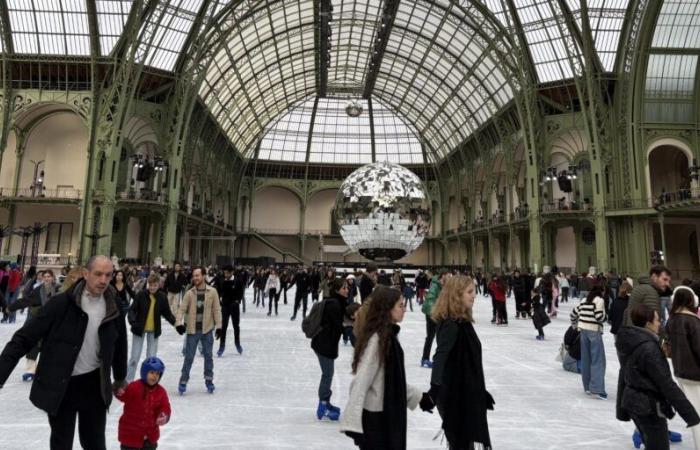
x,y
648,393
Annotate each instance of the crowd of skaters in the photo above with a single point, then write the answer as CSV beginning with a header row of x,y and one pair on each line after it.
x,y
78,322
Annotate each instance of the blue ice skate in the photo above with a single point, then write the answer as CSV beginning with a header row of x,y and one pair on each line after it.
x,y
182,388
210,386
324,412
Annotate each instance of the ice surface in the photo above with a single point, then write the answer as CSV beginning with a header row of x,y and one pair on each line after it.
x,y
266,398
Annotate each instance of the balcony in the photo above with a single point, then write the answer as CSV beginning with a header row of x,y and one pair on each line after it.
x,y
566,208
58,195
142,196
682,199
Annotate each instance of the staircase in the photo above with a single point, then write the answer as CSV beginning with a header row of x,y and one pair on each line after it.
x,y
285,253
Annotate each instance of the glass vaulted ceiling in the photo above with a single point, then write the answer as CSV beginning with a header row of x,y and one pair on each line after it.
x,y
435,72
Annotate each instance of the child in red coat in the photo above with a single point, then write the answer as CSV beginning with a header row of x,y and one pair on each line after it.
x,y
146,408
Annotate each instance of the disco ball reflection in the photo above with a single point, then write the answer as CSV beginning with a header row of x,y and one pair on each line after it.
x,y
383,211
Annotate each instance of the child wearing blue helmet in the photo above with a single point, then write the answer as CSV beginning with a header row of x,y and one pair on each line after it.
x,y
146,408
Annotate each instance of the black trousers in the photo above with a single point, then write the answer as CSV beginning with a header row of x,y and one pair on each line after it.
x,y
147,445
429,336
83,400
654,431
376,431
233,312
285,294
273,296
501,311
300,298
565,294
408,301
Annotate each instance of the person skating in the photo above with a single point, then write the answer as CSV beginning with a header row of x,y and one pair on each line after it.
x,y
233,288
367,282
589,317
683,329
37,298
273,289
144,317
349,323
375,414
457,384
88,343
431,297
649,395
201,305
174,284
498,287
325,345
521,294
540,318
146,407
301,297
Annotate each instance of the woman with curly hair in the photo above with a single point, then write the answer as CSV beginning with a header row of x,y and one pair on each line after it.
x,y
375,415
457,383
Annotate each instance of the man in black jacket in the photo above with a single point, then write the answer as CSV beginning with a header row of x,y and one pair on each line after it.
x,y
302,280
368,281
144,317
522,295
232,291
174,284
83,340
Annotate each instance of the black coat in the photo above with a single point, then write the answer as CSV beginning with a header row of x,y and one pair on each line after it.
x,y
228,292
139,312
617,313
647,385
175,284
61,325
572,341
458,386
366,287
326,341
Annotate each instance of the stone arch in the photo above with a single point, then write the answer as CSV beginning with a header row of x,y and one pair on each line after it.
x,y
276,208
55,141
319,210
29,112
670,171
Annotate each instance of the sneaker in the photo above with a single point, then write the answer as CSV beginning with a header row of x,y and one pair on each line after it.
x,y
588,392
210,386
293,318
637,439
239,349
674,436
324,412
602,396
220,353
182,388
539,338
27,377
428,364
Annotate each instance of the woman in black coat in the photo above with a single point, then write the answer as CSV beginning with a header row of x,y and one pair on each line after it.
x,y
457,383
648,394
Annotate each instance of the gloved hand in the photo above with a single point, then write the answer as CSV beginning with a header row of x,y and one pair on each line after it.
x,y
162,419
217,334
426,403
119,387
180,329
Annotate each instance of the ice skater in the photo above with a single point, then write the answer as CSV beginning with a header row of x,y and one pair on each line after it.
x,y
146,407
201,305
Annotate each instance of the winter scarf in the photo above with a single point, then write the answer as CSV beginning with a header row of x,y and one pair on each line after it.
x,y
395,394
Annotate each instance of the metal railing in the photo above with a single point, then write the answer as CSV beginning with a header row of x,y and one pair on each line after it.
x,y
683,195
282,231
29,193
566,207
143,196
634,203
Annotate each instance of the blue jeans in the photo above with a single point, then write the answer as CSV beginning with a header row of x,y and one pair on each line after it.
x,y
11,298
665,303
207,341
327,369
570,364
137,348
592,362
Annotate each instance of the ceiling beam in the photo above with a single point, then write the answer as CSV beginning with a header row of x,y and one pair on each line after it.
x,y
323,10
6,37
381,39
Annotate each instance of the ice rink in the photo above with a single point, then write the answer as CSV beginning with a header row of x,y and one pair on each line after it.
x,y
266,398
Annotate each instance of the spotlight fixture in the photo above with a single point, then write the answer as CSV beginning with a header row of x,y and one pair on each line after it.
x,y
695,170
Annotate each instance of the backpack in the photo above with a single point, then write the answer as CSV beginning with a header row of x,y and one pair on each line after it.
x,y
311,325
